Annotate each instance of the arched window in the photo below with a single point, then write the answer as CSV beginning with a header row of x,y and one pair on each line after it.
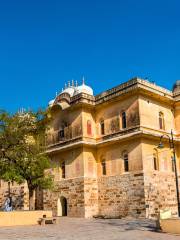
x,y
102,127
61,134
155,162
89,127
124,122
62,131
161,121
103,166
63,169
126,161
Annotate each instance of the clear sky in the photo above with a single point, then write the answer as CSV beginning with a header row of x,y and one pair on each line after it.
x,y
43,44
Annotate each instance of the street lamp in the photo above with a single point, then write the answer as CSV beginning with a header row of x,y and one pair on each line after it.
x,y
172,146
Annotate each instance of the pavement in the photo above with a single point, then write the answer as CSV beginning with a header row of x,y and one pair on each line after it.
x,y
88,229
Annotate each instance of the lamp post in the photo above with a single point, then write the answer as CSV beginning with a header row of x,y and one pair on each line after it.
x,y
172,146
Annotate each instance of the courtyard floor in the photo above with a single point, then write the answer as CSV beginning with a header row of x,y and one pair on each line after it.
x,y
88,229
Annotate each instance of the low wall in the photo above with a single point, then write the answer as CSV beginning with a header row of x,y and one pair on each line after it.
x,y
171,225
16,218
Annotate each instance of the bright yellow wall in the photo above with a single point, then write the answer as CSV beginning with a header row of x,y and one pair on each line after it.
x,y
73,161
164,156
114,159
149,113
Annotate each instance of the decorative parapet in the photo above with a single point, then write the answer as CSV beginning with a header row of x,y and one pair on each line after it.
x,y
155,87
176,96
135,83
129,86
83,98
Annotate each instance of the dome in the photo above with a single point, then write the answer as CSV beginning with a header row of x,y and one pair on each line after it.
x,y
69,90
83,89
176,87
51,103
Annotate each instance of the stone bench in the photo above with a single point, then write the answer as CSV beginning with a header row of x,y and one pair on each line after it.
x,y
48,220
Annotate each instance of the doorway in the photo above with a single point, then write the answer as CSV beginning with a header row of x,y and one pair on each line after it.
x,y
62,206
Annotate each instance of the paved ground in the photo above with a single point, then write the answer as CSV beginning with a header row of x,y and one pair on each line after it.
x,y
88,229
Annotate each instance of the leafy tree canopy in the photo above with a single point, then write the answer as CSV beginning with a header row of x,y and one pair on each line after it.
x,y
22,149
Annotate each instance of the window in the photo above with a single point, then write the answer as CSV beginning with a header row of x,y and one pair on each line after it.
x,y
61,134
124,124
89,128
102,127
155,162
161,121
63,170
126,162
103,165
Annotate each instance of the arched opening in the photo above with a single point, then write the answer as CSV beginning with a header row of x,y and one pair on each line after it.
x,y
126,161
62,207
124,122
89,128
161,121
102,127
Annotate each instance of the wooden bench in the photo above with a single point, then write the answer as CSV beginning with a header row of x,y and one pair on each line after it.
x,y
48,220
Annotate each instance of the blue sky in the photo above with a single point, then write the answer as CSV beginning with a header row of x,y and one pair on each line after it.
x,y
43,44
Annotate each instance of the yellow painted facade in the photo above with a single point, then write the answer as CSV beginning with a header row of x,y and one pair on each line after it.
x,y
104,154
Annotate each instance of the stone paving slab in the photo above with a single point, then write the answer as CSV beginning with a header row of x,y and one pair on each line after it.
x,y
88,229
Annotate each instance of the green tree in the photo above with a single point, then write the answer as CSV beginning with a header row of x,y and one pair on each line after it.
x,y
22,150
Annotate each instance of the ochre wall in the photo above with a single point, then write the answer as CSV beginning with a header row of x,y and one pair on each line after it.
x,y
113,154
112,112
74,163
149,113
177,118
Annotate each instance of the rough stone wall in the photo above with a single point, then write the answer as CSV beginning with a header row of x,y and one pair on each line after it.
x,y
160,193
73,191
120,196
81,195
91,197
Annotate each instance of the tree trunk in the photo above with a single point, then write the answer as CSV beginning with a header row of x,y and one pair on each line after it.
x,y
31,199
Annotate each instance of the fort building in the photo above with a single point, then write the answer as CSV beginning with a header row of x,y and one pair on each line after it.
x,y
104,151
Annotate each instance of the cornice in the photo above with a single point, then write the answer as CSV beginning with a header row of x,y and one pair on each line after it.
x,y
131,86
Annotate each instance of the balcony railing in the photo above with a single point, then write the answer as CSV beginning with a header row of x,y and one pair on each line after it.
x,y
64,135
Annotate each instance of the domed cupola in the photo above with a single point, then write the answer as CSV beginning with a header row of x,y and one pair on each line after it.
x,y
176,87
70,89
83,89
51,103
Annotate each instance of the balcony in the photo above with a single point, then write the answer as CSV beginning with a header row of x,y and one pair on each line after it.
x,y
64,137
